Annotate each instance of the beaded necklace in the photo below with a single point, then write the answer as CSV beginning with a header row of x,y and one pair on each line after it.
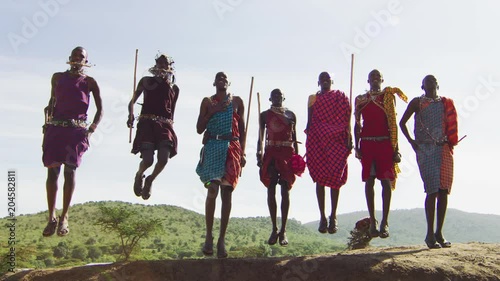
x,y
428,99
213,100
278,109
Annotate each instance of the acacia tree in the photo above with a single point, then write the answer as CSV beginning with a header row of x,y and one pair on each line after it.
x,y
128,224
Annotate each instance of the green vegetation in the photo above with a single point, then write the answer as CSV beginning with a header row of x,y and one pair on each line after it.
x,y
125,222
182,233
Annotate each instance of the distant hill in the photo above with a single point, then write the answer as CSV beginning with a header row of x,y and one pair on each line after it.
x,y
183,235
408,227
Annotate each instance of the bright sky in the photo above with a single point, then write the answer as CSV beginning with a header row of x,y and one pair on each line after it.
x,y
283,44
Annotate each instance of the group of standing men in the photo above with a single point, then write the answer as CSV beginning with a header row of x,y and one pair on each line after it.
x,y
328,145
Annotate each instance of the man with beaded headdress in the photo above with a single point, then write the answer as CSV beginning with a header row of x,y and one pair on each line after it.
x,y
221,120
376,145
436,133
66,136
155,131
328,146
277,129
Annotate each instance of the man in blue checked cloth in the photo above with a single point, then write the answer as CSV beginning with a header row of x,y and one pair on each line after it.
x,y
222,157
155,129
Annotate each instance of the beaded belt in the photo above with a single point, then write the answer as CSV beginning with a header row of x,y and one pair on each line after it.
x,y
279,143
75,123
156,118
435,142
222,137
375,138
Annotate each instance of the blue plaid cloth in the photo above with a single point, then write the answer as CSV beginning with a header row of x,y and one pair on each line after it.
x,y
212,164
429,122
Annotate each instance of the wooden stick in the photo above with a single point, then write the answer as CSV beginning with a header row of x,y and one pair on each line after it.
x,y
248,112
352,75
350,100
258,105
133,93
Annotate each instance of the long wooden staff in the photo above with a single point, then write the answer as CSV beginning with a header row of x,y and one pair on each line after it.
x,y
133,93
350,95
352,74
258,105
248,113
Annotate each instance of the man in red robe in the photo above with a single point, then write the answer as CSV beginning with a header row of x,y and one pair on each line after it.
x,y
328,145
277,128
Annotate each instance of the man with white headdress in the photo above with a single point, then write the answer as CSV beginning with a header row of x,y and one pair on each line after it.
x,y
155,130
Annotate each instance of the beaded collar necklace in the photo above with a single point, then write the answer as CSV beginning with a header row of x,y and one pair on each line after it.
x,y
428,99
278,109
213,100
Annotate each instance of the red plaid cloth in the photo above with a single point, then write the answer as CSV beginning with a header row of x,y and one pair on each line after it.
x,y
447,168
276,159
233,160
327,136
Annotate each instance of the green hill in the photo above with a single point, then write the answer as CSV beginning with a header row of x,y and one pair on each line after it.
x,y
182,235
409,227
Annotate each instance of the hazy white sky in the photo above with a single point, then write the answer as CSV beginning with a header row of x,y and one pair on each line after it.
x,y
283,44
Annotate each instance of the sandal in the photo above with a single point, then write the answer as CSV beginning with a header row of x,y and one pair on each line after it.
x,y
221,250
283,239
62,227
273,238
432,244
138,185
50,229
146,192
322,225
373,230
384,231
208,247
333,228
442,241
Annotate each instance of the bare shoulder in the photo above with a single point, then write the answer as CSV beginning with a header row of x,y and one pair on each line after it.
x,y
361,97
56,76
311,100
91,79
238,100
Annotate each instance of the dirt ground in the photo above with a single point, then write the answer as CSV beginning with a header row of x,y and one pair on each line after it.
x,y
471,261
